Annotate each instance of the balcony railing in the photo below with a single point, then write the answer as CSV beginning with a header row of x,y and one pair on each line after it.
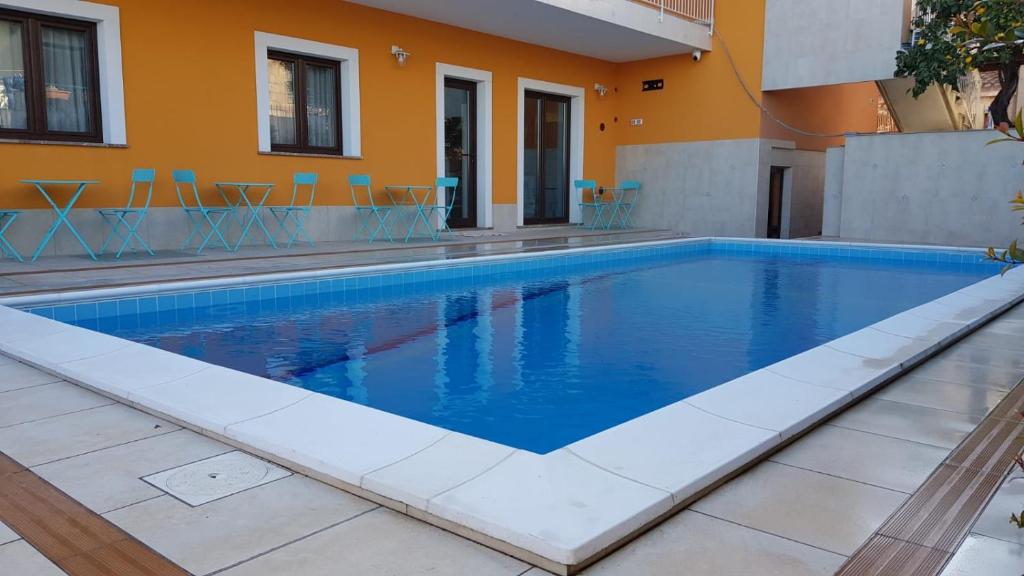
x,y
702,11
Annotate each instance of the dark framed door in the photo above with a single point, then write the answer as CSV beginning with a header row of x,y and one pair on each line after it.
x,y
546,130
460,149
776,185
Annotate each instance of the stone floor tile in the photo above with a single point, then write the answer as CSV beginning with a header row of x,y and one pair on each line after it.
x,y
383,542
959,398
995,519
233,529
708,546
110,478
69,435
984,556
38,402
909,422
830,513
969,374
15,375
864,457
7,535
21,559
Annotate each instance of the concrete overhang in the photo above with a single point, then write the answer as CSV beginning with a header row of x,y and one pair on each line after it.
x,y
612,30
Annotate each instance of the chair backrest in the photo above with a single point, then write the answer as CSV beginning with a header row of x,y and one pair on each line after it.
x,y
630,190
186,179
449,184
145,177
583,185
304,179
362,192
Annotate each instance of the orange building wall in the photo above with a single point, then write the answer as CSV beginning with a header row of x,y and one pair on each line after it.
x,y
701,100
836,109
190,100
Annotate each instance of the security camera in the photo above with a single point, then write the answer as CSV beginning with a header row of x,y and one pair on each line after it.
x,y
697,55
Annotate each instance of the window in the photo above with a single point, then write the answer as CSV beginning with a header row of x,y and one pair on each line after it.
x,y
304,111
49,78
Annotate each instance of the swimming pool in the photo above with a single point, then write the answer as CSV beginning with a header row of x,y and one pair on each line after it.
x,y
539,354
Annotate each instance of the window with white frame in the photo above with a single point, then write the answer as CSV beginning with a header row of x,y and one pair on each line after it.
x,y
307,96
60,72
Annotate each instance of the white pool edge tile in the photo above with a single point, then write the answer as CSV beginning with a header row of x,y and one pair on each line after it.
x,y
985,302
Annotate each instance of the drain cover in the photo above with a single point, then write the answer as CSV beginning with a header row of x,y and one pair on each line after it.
x,y
207,480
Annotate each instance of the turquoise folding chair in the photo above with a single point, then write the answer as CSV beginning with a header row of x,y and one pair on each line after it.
x,y
367,210
449,185
629,193
212,216
7,217
131,216
297,213
595,203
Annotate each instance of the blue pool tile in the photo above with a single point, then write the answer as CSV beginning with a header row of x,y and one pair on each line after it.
x,y
86,311
268,292
203,299
148,305
128,307
185,300
106,309
219,297
252,293
44,312
166,302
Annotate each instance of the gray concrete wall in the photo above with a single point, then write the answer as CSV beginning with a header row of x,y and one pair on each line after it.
x,y
944,188
823,42
803,200
833,209
697,188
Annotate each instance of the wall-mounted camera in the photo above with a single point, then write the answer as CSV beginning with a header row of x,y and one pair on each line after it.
x,y
697,55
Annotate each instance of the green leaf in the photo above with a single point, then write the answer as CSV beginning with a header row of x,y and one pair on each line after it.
x,y
1019,124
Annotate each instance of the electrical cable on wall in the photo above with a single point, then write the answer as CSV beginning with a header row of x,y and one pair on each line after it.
x,y
753,98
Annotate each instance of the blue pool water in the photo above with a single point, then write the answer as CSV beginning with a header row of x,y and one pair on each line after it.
x,y
537,359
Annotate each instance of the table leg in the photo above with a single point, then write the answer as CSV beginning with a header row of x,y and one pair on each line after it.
x,y
62,219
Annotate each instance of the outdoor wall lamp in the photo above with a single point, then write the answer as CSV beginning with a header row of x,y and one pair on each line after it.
x,y
399,54
601,89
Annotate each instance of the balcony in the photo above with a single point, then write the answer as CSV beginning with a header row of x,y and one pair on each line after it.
x,y
612,30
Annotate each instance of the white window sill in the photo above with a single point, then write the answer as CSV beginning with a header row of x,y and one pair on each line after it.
x,y
308,155
62,143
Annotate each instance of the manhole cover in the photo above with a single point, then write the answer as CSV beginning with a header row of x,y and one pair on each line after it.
x,y
207,480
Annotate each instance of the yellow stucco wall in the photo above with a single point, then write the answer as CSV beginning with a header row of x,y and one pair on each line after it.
x,y
189,84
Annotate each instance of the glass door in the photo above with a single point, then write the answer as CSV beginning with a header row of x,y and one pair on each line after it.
x,y
545,159
460,149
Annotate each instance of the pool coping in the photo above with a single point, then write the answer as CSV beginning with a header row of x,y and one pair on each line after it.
x,y
562,510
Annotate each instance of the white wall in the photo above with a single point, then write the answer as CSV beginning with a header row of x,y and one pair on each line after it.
x,y
823,42
696,188
944,188
833,209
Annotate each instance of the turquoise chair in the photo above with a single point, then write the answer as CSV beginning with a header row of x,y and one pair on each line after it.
x,y
212,216
367,210
7,217
296,212
583,187
629,193
449,185
131,216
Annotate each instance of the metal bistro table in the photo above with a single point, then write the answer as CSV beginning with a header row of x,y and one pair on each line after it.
x,y
418,197
254,209
62,213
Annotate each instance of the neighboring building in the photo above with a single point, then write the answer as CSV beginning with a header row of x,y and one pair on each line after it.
x,y
516,97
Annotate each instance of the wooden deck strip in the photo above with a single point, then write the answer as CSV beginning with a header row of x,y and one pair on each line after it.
x,y
923,534
76,539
